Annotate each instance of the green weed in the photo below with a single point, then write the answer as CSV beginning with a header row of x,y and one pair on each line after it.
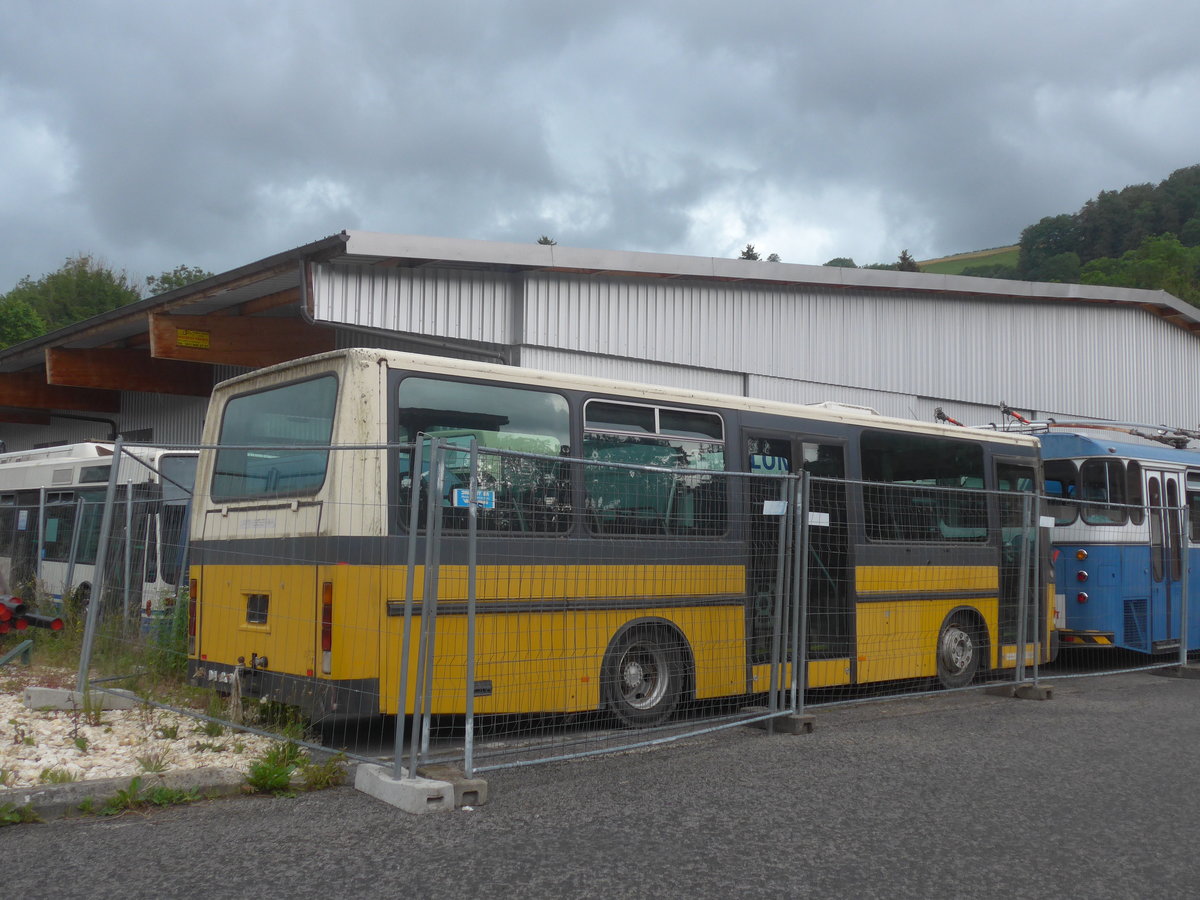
x,y
325,774
165,796
125,799
210,729
168,732
57,776
272,774
11,814
154,762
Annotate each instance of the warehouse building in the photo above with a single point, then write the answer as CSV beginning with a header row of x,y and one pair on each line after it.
x,y
904,344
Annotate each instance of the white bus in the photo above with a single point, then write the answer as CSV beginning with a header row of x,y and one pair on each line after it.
x,y
52,511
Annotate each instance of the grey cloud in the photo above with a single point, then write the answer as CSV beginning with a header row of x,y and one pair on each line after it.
x,y
215,133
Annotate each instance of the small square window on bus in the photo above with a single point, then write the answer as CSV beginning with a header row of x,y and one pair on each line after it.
x,y
620,417
256,608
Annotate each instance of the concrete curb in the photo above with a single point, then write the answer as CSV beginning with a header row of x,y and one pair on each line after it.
x,y
58,801
67,699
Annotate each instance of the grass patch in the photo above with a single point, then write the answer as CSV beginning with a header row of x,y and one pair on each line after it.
x,y
11,814
953,265
284,766
57,776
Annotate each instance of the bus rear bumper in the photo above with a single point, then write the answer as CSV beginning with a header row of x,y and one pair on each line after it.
x,y
1070,639
315,697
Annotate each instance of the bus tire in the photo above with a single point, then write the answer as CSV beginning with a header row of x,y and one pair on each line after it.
x,y
958,651
642,676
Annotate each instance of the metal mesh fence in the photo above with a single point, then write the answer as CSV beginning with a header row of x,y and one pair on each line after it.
x,y
446,602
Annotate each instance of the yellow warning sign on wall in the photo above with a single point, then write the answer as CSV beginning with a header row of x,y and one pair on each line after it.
x,y
187,337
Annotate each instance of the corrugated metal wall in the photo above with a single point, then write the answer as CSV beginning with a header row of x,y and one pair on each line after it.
x,y
903,352
1091,360
464,304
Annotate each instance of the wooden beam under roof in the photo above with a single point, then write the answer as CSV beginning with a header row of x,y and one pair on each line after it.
x,y
29,390
252,341
126,370
24,417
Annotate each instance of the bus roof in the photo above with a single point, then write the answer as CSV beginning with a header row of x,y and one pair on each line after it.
x,y
837,413
84,450
1069,445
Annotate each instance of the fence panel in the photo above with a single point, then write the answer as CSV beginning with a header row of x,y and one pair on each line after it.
x,y
507,606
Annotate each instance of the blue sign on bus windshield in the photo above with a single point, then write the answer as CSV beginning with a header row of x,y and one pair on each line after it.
x,y
768,465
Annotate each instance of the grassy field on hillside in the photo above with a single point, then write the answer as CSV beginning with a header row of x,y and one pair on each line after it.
x,y
953,265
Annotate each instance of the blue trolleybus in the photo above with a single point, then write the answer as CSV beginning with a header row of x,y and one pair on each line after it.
x,y
1127,517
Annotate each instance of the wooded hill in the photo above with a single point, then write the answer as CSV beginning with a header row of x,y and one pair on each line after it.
x,y
1142,236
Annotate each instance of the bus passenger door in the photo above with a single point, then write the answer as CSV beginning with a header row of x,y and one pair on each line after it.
x,y
1164,511
830,589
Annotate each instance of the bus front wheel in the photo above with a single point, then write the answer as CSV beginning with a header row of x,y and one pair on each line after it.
x,y
642,676
957,653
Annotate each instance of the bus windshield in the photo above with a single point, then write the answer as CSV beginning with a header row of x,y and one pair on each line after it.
x,y
284,424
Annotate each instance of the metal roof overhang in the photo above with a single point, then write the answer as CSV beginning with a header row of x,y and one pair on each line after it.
x,y
276,287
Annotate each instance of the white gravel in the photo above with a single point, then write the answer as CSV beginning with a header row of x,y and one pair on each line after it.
x,y
41,746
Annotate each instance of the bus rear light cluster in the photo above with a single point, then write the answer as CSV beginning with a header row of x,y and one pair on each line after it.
x,y
1081,554
193,594
327,627
1081,575
1081,597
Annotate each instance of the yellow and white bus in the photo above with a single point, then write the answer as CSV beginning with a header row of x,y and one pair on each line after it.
x,y
588,597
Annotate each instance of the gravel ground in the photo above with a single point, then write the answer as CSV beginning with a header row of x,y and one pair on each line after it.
x,y
46,746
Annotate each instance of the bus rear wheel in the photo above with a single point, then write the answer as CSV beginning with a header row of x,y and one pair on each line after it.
x,y
642,676
957,654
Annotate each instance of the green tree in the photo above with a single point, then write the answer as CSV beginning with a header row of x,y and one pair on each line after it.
x,y
844,262
1189,234
749,253
547,240
176,278
906,263
1160,262
1062,267
18,321
1049,237
82,288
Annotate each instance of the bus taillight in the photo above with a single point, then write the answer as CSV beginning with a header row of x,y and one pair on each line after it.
x,y
327,627
193,593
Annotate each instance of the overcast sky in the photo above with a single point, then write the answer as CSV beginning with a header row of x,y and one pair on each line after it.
x,y
154,134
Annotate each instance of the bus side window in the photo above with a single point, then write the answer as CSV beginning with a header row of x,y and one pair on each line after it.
x,y
1102,488
1193,506
1060,489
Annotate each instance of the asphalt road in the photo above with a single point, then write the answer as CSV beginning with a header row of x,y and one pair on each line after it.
x,y
1091,794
